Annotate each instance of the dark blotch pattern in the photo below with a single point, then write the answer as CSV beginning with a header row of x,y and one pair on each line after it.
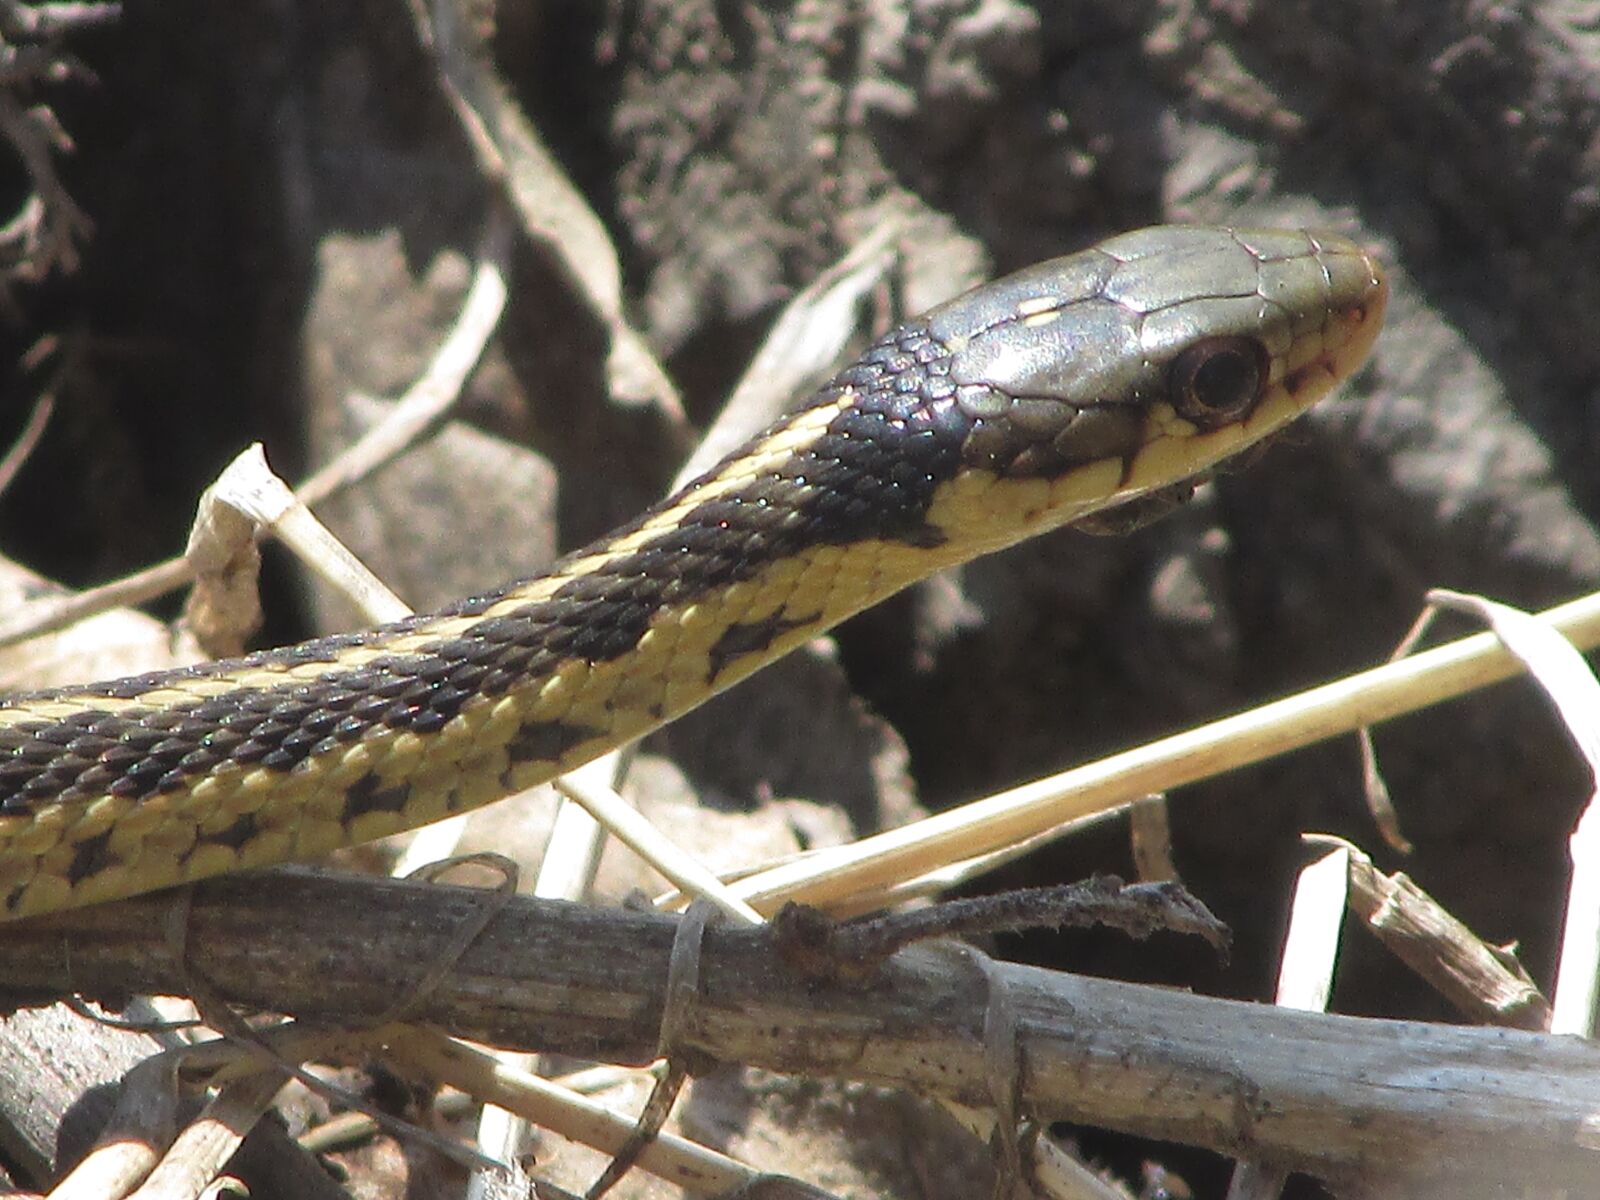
x,y
546,741
871,474
89,857
750,637
235,836
368,795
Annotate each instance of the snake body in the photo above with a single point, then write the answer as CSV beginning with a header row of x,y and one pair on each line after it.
x,y
1105,378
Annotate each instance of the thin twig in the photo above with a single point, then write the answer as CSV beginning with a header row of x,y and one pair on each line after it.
x,y
429,400
28,440
810,941
45,232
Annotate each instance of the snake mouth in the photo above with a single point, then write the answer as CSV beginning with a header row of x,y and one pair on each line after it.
x,y
1350,334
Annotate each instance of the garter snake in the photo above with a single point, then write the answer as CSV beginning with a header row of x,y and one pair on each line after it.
x,y
1110,377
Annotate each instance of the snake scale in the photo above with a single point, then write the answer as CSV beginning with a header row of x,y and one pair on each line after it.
x,y
1111,377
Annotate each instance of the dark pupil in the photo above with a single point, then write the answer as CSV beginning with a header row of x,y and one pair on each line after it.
x,y
1226,380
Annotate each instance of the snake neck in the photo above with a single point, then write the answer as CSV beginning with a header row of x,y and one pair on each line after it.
x,y
291,753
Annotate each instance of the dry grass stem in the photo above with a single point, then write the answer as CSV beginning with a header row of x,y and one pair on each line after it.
x,y
436,392
624,823
691,1166
200,1152
249,486
130,1145
1093,791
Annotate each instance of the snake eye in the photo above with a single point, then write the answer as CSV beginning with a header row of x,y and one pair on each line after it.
x,y
1219,380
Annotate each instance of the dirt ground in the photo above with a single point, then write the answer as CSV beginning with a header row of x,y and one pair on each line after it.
x,y
285,213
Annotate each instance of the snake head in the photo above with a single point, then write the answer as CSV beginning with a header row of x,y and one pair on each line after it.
x,y
1151,357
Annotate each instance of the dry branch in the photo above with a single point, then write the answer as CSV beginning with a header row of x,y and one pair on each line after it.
x,y
1343,1098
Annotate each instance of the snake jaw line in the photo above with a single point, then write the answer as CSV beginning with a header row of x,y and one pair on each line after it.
x,y
1103,378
